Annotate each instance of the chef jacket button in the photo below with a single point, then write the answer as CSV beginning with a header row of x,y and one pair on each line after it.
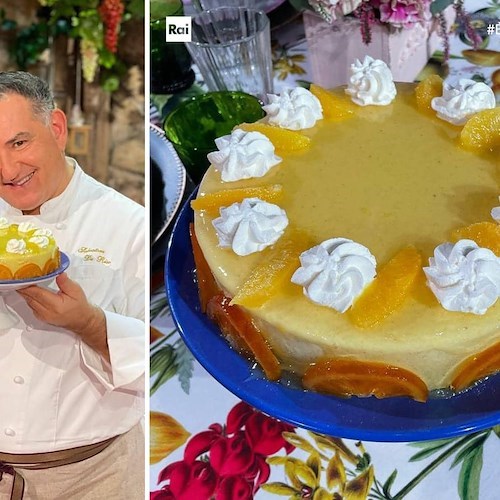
x,y
59,225
29,328
9,432
18,379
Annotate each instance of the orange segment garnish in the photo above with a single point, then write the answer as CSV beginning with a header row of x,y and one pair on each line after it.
x,y
481,133
349,377
274,271
387,292
485,234
284,141
212,202
476,367
238,327
28,271
427,90
207,286
334,107
5,274
51,265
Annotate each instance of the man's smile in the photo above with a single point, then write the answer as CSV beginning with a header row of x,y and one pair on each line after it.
x,y
20,182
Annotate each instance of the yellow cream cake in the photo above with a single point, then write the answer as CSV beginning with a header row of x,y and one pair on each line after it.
x,y
26,251
369,264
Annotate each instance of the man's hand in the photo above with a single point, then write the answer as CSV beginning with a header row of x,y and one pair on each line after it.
x,y
70,309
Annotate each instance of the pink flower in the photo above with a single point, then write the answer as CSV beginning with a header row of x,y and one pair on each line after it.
x,y
404,13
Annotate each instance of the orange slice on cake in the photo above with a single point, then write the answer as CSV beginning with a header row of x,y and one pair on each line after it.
x,y
481,133
212,202
5,273
427,90
387,292
28,271
334,107
485,234
274,271
284,140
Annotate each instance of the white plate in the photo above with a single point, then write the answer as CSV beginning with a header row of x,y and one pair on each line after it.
x,y
173,172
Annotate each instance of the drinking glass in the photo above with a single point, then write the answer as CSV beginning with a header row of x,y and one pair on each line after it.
x,y
195,123
232,48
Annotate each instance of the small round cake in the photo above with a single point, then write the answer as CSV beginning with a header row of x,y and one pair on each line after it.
x,y
354,244
26,251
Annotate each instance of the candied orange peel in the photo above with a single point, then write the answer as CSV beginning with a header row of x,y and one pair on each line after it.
x,y
387,292
239,328
350,377
476,367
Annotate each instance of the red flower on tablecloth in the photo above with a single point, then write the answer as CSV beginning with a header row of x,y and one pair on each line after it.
x,y
226,462
186,481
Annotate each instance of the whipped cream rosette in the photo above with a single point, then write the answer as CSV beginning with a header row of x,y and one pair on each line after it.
x,y
464,277
459,103
243,155
250,226
293,109
335,272
26,227
15,246
371,83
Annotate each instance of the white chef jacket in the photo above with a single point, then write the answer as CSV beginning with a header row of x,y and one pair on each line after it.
x,y
55,391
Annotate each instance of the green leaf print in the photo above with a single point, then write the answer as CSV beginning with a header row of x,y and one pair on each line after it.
x,y
470,475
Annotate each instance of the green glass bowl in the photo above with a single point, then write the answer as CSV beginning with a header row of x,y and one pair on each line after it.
x,y
195,123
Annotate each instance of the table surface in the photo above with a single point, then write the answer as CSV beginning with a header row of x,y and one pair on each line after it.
x,y
192,411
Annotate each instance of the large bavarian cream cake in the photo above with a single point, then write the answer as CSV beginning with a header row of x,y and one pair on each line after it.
x,y
26,251
351,236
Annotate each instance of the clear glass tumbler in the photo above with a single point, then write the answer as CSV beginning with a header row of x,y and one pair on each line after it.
x,y
232,48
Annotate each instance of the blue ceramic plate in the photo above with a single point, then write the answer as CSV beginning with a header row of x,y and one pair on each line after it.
x,y
17,284
368,419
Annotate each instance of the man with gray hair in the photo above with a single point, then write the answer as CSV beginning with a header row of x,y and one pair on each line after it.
x,y
72,368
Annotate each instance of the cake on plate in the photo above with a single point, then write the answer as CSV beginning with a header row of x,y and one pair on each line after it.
x,y
26,251
351,238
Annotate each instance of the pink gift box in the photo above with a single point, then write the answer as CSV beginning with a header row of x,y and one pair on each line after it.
x,y
334,47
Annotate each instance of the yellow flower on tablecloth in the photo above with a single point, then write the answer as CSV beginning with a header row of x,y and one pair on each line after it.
x,y
305,478
166,435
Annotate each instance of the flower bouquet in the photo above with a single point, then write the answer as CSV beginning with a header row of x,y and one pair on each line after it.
x,y
403,33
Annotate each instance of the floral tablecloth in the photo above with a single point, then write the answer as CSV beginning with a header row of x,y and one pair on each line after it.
x,y
206,443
